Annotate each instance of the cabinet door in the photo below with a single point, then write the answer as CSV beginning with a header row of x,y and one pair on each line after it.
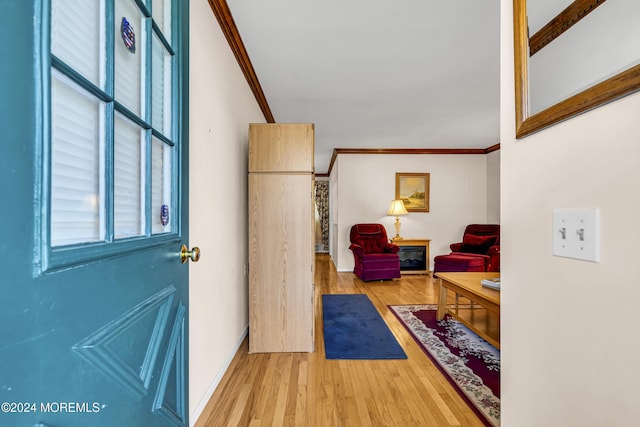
x,y
280,263
281,147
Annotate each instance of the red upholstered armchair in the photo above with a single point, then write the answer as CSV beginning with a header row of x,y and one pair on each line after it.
x,y
375,258
479,242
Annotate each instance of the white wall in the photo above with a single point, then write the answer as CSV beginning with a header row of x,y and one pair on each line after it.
x,y
366,186
570,335
221,107
493,187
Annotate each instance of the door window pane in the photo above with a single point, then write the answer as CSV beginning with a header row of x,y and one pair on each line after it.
x,y
160,185
110,178
161,88
129,56
77,169
128,179
78,37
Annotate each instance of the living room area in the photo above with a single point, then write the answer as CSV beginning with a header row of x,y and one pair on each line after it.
x,y
463,189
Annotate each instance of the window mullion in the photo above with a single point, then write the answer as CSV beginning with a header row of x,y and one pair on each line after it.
x,y
148,118
108,188
163,39
109,32
109,119
147,183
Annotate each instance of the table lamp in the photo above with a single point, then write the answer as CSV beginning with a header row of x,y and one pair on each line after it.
x,y
396,209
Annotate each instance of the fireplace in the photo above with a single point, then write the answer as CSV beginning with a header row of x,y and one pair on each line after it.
x,y
413,258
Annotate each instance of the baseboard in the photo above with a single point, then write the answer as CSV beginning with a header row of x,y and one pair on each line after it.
x,y
193,417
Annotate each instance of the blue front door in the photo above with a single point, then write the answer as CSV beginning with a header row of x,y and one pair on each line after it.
x,y
93,187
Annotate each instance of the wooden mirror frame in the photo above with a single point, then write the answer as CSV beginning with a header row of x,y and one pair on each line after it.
x,y
621,84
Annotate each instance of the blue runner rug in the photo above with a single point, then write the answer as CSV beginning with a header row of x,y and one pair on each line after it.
x,y
353,329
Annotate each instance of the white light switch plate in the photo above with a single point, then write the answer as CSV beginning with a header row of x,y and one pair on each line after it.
x,y
576,234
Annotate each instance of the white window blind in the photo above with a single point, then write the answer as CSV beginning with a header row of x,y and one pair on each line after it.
x,y
161,87
78,37
162,16
128,179
129,66
160,183
77,167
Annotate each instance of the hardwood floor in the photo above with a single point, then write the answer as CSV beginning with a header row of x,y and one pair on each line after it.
x,y
305,389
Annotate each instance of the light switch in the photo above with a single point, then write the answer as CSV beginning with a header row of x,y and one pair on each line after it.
x,y
576,233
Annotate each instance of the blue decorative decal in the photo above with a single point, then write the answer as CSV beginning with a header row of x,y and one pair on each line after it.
x,y
128,35
164,214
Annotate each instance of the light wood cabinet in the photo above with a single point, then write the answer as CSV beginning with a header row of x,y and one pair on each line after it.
x,y
281,238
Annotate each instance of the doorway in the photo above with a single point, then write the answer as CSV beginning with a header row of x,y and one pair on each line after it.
x,y
322,216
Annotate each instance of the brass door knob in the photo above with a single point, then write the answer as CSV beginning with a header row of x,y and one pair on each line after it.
x,y
186,254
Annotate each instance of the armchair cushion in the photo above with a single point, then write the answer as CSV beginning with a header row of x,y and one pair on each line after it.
x,y
456,247
377,246
392,249
477,244
374,249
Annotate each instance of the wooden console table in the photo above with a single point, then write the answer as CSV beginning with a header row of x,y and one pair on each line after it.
x,y
407,245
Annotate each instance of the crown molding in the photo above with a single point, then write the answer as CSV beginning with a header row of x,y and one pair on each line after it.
x,y
337,151
227,24
492,148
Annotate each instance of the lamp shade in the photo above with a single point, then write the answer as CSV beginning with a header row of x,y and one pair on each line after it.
x,y
397,208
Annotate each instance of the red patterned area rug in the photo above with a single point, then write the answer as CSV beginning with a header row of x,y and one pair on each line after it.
x,y
471,364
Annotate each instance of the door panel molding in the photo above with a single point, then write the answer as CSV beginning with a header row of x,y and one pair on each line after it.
x,y
102,349
174,363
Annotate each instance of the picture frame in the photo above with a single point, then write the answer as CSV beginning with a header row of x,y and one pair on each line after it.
x,y
413,190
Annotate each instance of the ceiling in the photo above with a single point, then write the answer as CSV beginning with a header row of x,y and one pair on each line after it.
x,y
371,74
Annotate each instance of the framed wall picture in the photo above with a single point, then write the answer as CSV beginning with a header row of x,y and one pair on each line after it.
x,y
413,189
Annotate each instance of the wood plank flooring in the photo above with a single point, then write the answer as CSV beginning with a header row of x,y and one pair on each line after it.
x,y
305,389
